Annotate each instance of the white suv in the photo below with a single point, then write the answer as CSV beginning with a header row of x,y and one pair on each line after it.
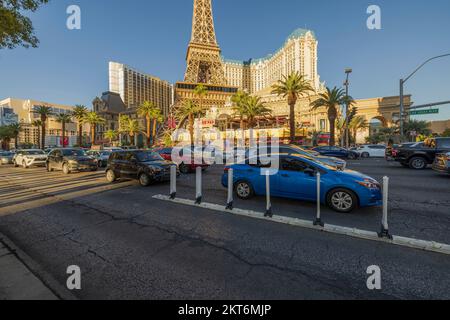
x,y
29,158
375,150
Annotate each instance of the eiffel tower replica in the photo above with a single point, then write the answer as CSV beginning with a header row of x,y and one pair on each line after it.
x,y
204,62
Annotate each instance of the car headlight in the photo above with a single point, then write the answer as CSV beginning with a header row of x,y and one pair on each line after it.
x,y
369,184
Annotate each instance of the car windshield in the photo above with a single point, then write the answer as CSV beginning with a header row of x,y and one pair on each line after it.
x,y
148,156
105,153
6,154
73,153
33,152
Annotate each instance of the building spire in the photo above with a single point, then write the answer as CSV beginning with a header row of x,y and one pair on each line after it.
x,y
203,31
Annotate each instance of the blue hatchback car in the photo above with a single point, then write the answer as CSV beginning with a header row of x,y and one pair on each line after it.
x,y
342,191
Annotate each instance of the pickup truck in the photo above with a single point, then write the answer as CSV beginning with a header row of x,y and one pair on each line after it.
x,y
420,158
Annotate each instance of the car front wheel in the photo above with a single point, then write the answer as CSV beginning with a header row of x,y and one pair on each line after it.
x,y
417,163
48,167
144,180
111,176
24,165
66,169
184,169
342,200
365,155
244,190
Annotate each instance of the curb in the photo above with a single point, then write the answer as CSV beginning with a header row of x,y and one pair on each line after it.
x,y
37,270
351,232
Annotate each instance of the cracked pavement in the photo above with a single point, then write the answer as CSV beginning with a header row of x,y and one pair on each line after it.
x,y
130,246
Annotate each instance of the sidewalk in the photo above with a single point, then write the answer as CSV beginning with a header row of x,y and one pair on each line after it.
x,y
16,280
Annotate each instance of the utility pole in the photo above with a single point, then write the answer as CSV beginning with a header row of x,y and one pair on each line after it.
x,y
346,135
402,85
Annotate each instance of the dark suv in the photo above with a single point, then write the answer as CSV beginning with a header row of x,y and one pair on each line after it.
x,y
146,166
69,160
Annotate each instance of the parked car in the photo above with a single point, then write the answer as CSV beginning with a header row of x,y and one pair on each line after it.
x,y
69,160
419,158
185,168
6,157
146,166
294,149
101,157
30,158
442,163
342,191
372,151
337,152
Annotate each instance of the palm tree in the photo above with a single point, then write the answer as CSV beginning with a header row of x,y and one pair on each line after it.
x,y
255,108
188,112
111,135
200,91
38,125
64,118
123,123
44,112
15,128
330,99
79,113
420,127
5,136
356,124
239,100
93,119
133,128
292,87
152,114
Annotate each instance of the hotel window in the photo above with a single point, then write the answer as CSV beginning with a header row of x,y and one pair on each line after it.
x,y
322,124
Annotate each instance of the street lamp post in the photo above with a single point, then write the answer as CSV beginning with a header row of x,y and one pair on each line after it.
x,y
346,129
402,85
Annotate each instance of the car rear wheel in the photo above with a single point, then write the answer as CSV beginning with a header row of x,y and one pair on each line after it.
x,y
144,180
244,190
65,168
342,200
47,166
417,163
184,169
111,176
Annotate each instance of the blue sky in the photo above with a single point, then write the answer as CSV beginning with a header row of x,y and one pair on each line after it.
x,y
71,67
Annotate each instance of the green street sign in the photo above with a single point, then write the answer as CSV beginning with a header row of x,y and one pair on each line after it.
x,y
424,112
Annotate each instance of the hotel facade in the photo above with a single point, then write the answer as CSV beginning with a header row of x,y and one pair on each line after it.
x,y
298,54
23,112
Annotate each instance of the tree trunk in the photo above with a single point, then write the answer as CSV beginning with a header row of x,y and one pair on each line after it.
x,y
80,134
63,134
332,121
191,128
155,123
39,140
148,132
292,121
43,136
242,122
92,134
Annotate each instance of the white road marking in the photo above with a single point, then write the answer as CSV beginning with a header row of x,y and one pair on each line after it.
x,y
352,232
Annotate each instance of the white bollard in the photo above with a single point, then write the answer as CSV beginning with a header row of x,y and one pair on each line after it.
x,y
384,223
318,221
268,202
173,182
230,190
198,183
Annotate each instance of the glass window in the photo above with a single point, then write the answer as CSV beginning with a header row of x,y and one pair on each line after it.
x,y
148,156
290,164
73,153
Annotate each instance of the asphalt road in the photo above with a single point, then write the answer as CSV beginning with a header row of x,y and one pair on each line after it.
x,y
130,246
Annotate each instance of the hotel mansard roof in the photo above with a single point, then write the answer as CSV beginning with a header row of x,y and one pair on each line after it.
x,y
297,34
